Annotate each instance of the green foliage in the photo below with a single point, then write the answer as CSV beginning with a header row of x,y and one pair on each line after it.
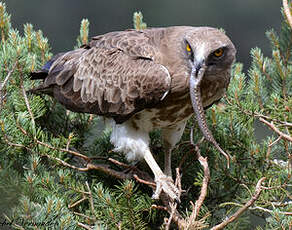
x,y
138,21
40,142
83,37
122,207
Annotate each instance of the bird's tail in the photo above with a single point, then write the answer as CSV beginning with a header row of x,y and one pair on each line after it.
x,y
41,75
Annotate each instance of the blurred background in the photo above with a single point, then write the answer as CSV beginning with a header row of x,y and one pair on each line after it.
x,y
245,22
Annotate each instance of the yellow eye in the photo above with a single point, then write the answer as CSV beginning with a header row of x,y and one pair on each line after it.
x,y
219,52
188,48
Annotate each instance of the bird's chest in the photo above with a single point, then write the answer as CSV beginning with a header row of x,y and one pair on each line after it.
x,y
175,109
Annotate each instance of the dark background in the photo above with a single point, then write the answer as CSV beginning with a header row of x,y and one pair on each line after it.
x,y
245,22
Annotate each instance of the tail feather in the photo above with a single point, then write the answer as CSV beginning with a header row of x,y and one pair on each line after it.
x,y
41,90
55,73
43,73
38,75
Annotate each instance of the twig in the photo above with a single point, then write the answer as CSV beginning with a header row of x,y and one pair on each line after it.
x,y
119,163
256,114
270,147
63,150
90,199
245,186
84,216
77,202
45,144
172,213
281,204
2,85
27,104
199,202
277,187
275,129
80,191
284,123
270,211
159,207
100,167
178,181
197,206
258,191
149,183
85,226
49,146
287,12
257,207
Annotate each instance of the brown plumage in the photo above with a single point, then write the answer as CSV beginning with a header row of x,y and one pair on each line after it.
x,y
140,79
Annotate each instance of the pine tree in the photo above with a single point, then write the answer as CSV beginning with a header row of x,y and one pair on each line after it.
x,y
57,170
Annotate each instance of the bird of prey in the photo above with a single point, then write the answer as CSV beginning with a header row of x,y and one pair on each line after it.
x,y
144,80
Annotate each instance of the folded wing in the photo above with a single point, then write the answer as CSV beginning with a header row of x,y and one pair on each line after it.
x,y
116,75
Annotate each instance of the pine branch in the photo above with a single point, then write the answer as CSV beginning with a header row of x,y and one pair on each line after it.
x,y
26,100
2,85
77,202
138,21
269,211
89,166
284,123
90,200
258,191
287,12
275,129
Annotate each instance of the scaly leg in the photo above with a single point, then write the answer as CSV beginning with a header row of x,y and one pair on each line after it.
x,y
170,137
167,161
163,182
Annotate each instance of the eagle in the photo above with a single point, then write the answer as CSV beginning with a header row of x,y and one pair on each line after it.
x,y
143,80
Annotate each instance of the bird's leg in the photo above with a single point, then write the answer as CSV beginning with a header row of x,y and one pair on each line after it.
x,y
167,162
163,182
171,136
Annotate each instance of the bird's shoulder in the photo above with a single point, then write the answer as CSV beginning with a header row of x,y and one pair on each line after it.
x,y
134,43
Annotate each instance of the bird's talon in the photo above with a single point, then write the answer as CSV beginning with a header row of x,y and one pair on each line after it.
x,y
165,184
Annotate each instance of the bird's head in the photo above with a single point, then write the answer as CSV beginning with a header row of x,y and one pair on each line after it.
x,y
209,48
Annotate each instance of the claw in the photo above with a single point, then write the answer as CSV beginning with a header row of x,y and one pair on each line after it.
x,y
165,184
